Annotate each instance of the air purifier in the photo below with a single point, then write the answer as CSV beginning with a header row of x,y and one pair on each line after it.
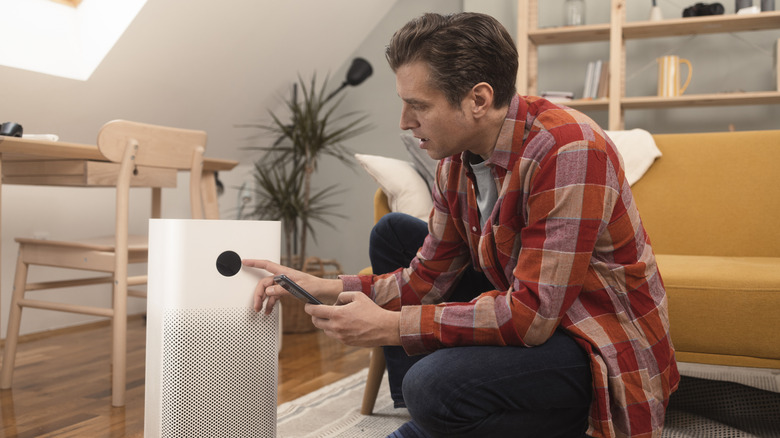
x,y
211,360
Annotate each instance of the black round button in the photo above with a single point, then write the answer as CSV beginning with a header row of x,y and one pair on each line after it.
x,y
228,263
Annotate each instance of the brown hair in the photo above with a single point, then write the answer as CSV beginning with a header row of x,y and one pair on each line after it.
x,y
461,51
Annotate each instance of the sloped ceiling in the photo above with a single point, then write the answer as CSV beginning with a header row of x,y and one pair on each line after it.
x,y
197,64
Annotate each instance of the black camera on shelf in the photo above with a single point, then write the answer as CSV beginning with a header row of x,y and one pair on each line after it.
x,y
700,9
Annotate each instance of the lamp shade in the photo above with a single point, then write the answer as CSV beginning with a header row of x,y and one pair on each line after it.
x,y
358,72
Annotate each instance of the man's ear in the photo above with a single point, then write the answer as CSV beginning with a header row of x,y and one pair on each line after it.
x,y
482,99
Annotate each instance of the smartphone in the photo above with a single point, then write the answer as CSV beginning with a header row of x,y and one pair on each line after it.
x,y
295,289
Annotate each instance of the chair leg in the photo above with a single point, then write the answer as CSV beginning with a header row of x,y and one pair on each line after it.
x,y
14,322
376,369
119,333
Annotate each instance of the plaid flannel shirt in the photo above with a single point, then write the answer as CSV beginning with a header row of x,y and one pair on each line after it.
x,y
564,246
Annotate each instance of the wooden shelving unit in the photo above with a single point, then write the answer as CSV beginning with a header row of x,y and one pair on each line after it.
x,y
616,32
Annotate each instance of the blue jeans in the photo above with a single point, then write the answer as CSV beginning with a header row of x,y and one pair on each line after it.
x,y
544,391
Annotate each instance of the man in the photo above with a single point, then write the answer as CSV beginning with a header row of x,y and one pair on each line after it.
x,y
570,336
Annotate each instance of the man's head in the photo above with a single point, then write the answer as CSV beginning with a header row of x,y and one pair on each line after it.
x,y
461,50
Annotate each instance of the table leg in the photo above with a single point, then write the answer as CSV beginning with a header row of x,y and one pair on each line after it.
x,y
1,261
208,186
156,202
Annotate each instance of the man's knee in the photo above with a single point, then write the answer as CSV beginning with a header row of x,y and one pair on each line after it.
x,y
387,226
381,229
424,392
451,393
398,232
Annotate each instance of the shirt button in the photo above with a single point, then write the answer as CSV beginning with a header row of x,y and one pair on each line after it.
x,y
474,229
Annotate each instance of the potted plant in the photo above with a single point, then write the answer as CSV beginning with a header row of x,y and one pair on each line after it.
x,y
283,175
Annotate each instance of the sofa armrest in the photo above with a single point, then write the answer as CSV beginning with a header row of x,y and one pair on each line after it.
x,y
381,208
381,204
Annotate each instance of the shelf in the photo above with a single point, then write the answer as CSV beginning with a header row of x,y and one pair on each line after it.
x,y
570,34
718,99
588,104
656,29
702,25
649,102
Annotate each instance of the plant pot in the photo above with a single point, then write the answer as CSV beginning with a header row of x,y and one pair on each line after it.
x,y
294,319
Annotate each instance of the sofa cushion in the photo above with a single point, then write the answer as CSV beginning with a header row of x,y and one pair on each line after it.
x,y
724,306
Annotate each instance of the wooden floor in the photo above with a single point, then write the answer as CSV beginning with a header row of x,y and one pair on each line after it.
x,y
62,382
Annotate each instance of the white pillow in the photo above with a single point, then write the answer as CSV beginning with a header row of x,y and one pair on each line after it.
x,y
405,189
638,149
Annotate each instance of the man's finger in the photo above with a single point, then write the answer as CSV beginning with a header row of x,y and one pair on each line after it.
x,y
346,298
259,296
268,265
269,305
320,311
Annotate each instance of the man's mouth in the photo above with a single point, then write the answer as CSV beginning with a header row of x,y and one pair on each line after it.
x,y
423,142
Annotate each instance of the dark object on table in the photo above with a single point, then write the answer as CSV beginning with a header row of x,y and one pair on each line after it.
x,y
11,129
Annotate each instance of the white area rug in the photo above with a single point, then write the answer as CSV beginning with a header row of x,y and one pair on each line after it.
x,y
702,408
334,411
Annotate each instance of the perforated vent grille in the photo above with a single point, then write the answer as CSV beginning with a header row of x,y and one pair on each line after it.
x,y
219,372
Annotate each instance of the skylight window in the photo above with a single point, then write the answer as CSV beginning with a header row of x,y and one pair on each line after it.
x,y
73,3
66,38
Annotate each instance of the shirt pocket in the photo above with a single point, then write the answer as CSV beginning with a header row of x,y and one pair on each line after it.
x,y
507,235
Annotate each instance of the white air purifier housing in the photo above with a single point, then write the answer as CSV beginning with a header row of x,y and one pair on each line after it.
x,y
211,360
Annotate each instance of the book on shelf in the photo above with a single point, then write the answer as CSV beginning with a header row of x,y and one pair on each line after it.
x,y
777,63
603,88
558,96
596,80
589,73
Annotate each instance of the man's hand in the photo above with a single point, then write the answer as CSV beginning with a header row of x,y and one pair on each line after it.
x,y
356,320
325,289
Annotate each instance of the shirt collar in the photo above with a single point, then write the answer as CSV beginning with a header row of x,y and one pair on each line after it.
x,y
513,127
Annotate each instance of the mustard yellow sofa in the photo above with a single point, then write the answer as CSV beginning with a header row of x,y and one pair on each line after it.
x,y
711,205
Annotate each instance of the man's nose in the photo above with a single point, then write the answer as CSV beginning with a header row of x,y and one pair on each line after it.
x,y
407,121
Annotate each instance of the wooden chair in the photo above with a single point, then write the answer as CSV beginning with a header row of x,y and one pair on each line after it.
x,y
139,149
377,365
376,369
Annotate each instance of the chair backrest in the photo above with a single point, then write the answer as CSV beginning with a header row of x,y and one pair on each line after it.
x,y
139,144
159,146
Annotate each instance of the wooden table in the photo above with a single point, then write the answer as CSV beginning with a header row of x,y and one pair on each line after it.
x,y
54,163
